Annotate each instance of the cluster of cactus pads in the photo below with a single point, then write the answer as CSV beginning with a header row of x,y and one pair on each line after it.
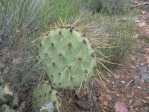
x,y
45,98
69,60
6,96
67,57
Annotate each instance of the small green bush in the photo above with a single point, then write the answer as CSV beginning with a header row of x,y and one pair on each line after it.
x,y
115,40
21,17
109,6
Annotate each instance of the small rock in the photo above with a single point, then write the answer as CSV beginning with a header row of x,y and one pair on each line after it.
x,y
137,103
130,101
118,84
144,101
129,95
114,100
132,110
143,72
133,64
145,76
143,12
116,76
84,104
142,24
137,82
95,107
122,90
16,61
139,87
122,82
111,87
105,103
147,80
120,107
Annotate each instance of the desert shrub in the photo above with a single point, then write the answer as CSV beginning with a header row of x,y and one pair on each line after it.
x,y
115,39
21,17
109,6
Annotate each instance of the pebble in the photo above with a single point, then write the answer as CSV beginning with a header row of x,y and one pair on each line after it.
x,y
147,80
133,63
132,110
143,72
122,90
137,82
129,95
118,84
111,87
16,61
114,100
137,103
95,107
145,76
84,104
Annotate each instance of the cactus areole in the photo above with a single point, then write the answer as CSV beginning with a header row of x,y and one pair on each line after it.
x,y
67,57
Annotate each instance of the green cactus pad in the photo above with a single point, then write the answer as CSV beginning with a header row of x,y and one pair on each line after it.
x,y
6,94
43,96
67,57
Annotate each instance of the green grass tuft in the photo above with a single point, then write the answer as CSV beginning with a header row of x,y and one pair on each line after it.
x,y
109,6
20,18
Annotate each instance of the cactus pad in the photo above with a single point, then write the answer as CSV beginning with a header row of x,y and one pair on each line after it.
x,y
45,98
67,57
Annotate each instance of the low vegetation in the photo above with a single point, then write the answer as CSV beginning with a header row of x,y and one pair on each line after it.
x,y
105,23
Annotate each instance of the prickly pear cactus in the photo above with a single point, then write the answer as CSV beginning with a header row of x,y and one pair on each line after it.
x,y
45,99
6,94
67,57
